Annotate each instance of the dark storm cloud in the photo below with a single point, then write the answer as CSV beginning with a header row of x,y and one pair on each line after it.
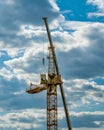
x,y
7,90
88,121
84,93
25,12
85,62
22,12
84,119
13,95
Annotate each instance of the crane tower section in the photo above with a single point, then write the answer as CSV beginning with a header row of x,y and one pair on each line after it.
x,y
51,95
53,81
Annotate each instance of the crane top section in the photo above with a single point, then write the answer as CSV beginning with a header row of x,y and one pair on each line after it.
x,y
48,31
53,76
51,45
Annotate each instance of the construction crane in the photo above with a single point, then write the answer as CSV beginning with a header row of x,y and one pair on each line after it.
x,y
50,82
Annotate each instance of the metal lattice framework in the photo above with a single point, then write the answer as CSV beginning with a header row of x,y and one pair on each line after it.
x,y
51,110
51,94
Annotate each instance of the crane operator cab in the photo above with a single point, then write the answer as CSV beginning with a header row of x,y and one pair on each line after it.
x,y
43,79
52,79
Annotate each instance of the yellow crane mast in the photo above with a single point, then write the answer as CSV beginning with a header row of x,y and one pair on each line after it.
x,y
50,84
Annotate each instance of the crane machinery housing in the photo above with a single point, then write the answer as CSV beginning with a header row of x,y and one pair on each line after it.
x,y
50,82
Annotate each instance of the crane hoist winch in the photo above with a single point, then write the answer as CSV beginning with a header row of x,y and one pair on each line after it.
x,y
50,82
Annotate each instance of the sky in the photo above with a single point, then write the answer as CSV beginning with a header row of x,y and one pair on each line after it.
x,y
77,29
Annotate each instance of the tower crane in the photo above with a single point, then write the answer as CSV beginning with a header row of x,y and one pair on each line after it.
x,y
49,83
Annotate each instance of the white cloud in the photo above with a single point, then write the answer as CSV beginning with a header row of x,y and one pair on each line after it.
x,y
98,3
100,6
54,5
7,74
24,119
90,15
25,67
75,34
85,93
87,113
65,11
9,1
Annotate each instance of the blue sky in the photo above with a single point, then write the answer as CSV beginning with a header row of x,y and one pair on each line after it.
x,y
77,29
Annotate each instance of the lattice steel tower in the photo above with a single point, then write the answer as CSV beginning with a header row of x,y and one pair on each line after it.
x,y
51,94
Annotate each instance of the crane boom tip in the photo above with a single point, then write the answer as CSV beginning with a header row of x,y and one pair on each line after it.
x,y
44,18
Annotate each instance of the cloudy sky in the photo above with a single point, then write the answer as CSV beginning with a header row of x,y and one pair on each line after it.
x,y
77,28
